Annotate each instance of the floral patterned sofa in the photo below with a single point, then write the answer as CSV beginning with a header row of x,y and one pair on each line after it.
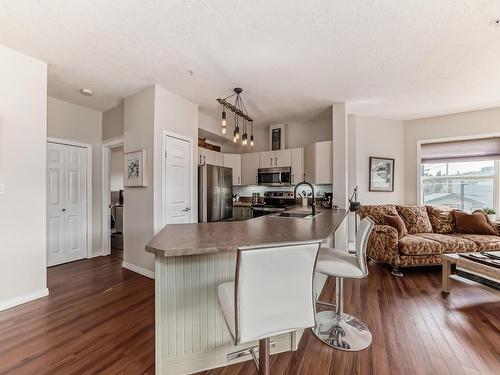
x,y
430,233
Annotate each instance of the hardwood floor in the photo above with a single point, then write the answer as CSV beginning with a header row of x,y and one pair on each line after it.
x,y
99,318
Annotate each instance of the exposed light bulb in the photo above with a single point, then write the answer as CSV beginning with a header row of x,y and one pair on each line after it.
x,y
235,139
223,122
251,140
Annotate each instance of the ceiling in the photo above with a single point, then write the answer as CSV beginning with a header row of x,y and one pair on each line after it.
x,y
388,58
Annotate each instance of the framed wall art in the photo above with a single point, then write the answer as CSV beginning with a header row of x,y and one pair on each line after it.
x,y
136,165
381,174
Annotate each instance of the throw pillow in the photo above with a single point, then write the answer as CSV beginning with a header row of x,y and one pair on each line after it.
x,y
441,218
475,223
377,212
415,218
396,222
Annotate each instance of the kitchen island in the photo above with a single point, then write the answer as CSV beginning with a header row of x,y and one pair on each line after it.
x,y
191,260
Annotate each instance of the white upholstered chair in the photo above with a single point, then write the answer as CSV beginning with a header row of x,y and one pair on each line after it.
x,y
272,294
334,327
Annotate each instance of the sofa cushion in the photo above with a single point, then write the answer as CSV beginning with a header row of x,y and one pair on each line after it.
x,y
415,218
451,244
397,223
475,223
377,212
414,245
483,242
441,218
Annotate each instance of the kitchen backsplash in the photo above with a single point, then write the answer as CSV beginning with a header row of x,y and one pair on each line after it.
x,y
247,191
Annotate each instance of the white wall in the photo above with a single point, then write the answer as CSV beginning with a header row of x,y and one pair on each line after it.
x,y
318,129
72,122
178,116
112,123
460,124
380,138
23,128
299,133
138,212
147,114
116,169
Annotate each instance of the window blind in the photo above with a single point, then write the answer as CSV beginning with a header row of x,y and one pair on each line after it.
x,y
456,151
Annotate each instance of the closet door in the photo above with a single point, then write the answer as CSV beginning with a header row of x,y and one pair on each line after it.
x,y
66,203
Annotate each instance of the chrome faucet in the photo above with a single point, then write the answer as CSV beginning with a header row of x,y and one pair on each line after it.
x,y
313,205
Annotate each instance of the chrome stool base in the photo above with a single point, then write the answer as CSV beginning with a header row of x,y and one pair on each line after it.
x,y
347,334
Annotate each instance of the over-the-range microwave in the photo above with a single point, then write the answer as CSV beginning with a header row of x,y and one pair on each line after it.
x,y
275,176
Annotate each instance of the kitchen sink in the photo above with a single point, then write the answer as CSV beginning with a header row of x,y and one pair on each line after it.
x,y
300,215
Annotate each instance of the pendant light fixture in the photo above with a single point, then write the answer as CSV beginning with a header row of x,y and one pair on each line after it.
x,y
241,117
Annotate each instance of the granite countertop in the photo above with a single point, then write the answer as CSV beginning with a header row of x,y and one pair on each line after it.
x,y
207,238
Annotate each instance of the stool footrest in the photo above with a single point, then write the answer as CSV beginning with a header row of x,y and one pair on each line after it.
x,y
326,304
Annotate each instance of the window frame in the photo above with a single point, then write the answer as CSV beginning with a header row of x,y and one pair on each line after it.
x,y
496,177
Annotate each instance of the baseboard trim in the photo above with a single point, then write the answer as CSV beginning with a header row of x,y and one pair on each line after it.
x,y
23,299
139,270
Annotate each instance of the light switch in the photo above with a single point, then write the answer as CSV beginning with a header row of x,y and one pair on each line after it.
x,y
2,188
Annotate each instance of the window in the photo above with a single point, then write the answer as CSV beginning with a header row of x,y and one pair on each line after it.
x,y
467,185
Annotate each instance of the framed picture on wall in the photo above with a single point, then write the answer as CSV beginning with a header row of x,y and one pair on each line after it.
x,y
381,174
135,165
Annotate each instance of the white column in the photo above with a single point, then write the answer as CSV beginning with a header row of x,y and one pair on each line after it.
x,y
340,167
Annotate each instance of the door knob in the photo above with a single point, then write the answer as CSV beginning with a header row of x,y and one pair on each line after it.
x,y
186,209
63,210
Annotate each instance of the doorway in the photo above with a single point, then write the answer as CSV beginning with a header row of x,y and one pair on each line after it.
x,y
68,191
113,198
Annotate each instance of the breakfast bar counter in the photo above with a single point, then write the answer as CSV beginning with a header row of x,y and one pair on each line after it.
x,y
191,260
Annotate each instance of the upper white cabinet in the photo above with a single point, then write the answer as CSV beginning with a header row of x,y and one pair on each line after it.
x,y
318,162
266,159
250,164
297,156
280,158
234,161
210,157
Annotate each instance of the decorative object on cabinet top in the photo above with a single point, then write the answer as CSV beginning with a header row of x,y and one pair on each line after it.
x,y
202,142
241,117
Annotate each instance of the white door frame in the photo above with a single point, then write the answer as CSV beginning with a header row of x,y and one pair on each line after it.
x,y
88,198
105,190
166,134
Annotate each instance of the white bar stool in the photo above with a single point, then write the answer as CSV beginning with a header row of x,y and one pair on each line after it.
x,y
336,328
272,294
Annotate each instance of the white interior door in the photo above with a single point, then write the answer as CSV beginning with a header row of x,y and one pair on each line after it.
x,y
177,180
66,203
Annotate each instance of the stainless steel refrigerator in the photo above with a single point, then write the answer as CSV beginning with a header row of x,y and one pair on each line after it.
x,y
215,193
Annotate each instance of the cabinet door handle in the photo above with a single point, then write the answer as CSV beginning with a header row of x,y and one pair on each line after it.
x,y
271,161
275,161
293,178
204,159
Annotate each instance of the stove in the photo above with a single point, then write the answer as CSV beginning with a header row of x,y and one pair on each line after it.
x,y
274,202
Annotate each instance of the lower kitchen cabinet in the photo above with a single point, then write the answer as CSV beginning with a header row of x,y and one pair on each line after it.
x,y
242,213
